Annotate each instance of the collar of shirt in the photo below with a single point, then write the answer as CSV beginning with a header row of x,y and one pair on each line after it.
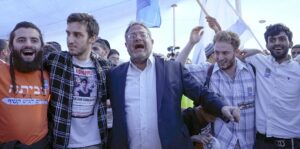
x,y
150,61
82,63
240,66
284,62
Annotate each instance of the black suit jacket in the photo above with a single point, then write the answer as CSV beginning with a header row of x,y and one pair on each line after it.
x,y
172,81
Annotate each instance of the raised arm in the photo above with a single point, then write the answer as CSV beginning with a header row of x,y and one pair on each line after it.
x,y
213,24
195,37
243,54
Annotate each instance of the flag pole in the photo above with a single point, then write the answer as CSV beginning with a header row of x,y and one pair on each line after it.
x,y
245,24
174,25
202,7
238,4
238,7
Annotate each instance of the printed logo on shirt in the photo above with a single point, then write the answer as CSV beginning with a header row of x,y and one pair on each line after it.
x,y
27,89
267,73
85,92
24,101
250,91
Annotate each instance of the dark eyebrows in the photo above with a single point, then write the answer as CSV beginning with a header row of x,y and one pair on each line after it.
x,y
280,36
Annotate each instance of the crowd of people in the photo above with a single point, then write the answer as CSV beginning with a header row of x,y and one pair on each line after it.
x,y
51,98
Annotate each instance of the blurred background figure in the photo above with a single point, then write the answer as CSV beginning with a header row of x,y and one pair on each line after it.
x,y
295,50
55,44
101,47
4,52
297,58
209,53
114,56
51,46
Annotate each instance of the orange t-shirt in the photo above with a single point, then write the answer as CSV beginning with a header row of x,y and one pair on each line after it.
x,y
23,115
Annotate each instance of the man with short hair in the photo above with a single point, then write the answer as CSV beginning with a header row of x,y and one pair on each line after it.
x,y
297,58
4,51
114,57
146,93
48,48
55,44
101,47
24,91
210,53
78,121
232,79
295,50
278,91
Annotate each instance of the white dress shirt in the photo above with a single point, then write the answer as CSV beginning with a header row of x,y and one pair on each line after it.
x,y
141,107
278,96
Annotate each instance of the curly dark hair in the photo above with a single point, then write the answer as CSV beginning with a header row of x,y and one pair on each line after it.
x,y
275,29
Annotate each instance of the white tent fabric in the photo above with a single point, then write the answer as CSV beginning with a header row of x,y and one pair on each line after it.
x,y
112,15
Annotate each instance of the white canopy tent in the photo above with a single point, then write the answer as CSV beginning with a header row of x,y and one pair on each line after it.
x,y
114,16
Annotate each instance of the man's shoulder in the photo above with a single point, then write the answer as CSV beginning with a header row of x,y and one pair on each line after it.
x,y
294,64
117,69
4,67
58,55
104,63
3,63
258,56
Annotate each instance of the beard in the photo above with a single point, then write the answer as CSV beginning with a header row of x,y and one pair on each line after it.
x,y
278,51
24,66
279,55
139,57
228,65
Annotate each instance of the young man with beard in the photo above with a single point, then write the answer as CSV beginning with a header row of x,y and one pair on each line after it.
x,y
278,92
232,79
24,91
146,94
78,121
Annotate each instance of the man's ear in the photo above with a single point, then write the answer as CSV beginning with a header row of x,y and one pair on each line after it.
x,y
291,44
237,51
92,39
266,47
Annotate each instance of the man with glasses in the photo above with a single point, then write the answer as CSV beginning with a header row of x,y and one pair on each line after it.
x,y
145,94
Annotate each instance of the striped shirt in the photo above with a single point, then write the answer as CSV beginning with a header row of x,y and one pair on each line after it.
x,y
239,91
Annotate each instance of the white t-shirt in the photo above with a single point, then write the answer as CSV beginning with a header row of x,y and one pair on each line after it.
x,y
278,96
84,124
